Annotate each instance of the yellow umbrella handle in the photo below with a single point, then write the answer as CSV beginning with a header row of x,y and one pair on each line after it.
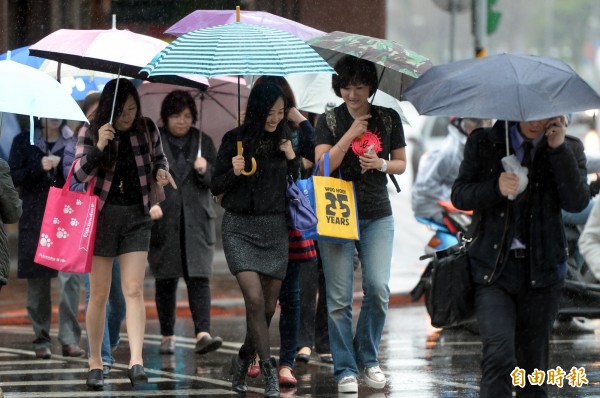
x,y
239,152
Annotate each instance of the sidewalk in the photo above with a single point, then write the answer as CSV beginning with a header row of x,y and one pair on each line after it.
x,y
226,296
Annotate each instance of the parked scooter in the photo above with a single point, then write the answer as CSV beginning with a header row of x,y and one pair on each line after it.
x,y
581,295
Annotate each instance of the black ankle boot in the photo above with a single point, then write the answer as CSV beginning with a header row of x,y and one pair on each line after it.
x,y
269,371
239,369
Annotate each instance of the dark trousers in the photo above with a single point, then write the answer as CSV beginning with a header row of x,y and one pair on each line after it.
x,y
314,331
515,323
198,297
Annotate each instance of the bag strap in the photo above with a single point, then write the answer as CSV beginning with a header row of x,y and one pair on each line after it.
x,y
472,230
89,185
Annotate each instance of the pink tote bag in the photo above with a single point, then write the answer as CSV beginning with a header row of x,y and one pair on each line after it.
x,y
66,241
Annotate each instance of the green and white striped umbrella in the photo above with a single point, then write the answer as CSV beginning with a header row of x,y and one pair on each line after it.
x,y
237,49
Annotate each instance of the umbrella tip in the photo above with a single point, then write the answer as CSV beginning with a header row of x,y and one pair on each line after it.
x,y
8,55
114,21
237,13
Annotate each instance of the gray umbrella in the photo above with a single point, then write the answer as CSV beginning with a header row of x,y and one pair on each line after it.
x,y
504,86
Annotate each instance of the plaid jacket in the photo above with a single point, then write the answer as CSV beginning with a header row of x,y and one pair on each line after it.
x,y
148,163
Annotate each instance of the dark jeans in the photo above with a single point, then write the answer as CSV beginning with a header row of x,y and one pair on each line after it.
x,y
199,301
289,319
515,323
314,331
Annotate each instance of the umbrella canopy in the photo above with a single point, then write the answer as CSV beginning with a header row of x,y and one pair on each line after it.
x,y
396,65
116,51
201,19
216,105
237,49
503,86
28,91
78,82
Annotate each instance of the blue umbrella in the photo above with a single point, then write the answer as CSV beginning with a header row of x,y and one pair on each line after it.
x,y
79,82
237,49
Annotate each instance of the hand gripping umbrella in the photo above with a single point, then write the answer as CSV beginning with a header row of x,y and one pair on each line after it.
x,y
237,49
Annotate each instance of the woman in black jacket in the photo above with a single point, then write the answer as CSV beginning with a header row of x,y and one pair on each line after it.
x,y
255,238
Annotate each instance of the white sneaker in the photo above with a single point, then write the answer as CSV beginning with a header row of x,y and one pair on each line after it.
x,y
374,377
348,384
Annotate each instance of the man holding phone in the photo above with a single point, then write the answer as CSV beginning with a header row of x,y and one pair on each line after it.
x,y
519,257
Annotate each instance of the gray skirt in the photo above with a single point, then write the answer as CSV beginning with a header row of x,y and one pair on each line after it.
x,y
256,243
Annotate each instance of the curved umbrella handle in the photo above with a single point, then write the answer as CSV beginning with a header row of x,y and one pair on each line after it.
x,y
239,152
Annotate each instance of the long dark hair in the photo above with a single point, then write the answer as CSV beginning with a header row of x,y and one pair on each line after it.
x,y
261,100
103,113
288,93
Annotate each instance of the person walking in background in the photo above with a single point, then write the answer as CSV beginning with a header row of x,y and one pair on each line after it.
x,y
519,256
342,132
255,238
11,208
34,169
122,157
302,252
439,169
314,331
184,224
115,307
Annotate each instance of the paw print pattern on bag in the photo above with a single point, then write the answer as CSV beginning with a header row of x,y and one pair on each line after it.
x,y
78,202
67,209
61,233
56,221
74,222
45,241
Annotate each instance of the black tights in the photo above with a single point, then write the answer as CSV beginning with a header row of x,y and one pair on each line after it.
x,y
260,297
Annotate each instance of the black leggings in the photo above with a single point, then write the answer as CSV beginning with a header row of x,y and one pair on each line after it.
x,y
260,297
198,298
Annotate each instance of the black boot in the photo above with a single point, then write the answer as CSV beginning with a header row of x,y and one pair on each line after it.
x,y
269,371
239,369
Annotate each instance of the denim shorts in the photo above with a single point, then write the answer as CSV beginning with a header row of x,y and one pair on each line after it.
x,y
122,229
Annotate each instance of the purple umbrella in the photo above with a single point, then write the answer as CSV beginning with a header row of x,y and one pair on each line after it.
x,y
200,19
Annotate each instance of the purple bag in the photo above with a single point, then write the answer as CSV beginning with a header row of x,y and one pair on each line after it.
x,y
301,215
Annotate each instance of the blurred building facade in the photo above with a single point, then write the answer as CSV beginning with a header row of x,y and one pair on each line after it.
x,y
23,22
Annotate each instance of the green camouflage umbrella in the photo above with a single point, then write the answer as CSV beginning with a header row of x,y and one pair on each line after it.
x,y
396,65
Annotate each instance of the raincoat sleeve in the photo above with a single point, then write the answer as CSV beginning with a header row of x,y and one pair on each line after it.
x,y
589,241
10,203
224,178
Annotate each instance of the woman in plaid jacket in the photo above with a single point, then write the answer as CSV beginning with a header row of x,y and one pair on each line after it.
x,y
120,159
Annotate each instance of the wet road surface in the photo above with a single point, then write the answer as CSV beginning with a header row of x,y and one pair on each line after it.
x,y
420,361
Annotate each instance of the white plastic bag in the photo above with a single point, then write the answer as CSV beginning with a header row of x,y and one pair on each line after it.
x,y
513,165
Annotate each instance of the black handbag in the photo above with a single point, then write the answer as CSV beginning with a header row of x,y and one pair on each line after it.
x,y
448,285
450,299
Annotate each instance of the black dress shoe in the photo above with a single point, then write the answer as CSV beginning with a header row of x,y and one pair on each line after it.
x,y
95,379
137,375
207,344
43,353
